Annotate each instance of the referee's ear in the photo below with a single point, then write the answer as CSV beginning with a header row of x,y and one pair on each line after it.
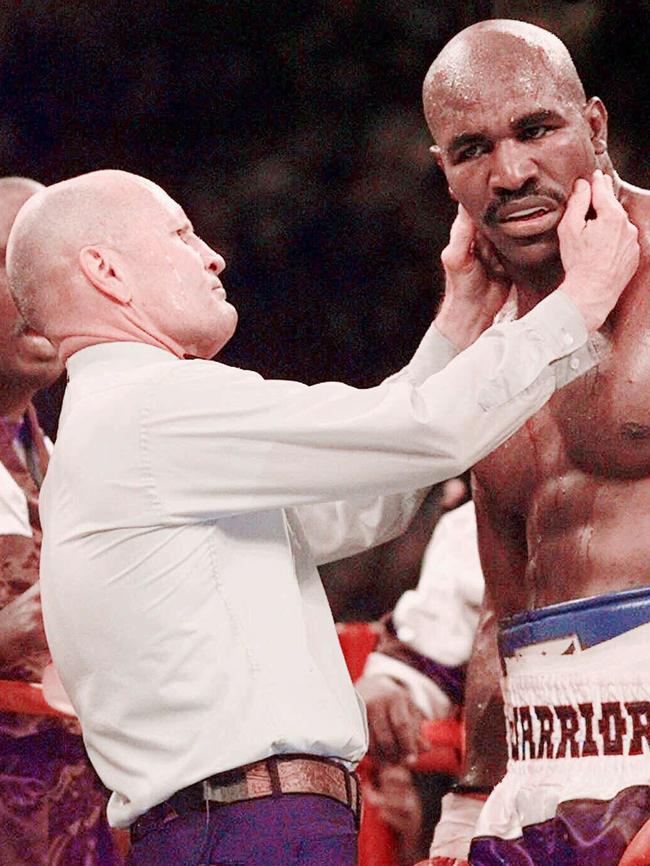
x,y
100,267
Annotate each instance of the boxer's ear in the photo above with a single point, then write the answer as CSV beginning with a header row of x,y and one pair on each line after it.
x,y
595,115
99,265
436,152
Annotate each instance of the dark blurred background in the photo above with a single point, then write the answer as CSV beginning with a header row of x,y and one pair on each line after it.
x,y
292,133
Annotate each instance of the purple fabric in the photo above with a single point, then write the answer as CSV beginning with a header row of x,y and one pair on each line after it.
x,y
583,833
450,679
52,805
288,830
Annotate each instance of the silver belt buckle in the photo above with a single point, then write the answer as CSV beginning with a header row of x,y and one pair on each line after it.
x,y
220,793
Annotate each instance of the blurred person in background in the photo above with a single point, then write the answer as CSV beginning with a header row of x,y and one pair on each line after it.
x,y
405,801
52,805
417,672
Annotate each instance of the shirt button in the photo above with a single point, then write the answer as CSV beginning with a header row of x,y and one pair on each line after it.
x,y
567,339
574,363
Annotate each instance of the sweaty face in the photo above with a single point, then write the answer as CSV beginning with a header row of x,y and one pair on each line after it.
x,y
511,155
27,360
177,278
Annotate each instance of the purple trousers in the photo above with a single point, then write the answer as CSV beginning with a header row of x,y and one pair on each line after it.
x,y
287,830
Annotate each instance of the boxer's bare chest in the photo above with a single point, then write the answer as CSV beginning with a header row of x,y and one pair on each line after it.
x,y
597,427
574,482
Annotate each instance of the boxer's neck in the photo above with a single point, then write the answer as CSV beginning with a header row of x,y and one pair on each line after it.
x,y
534,284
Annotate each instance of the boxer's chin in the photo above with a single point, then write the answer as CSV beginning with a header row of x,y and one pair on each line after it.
x,y
533,252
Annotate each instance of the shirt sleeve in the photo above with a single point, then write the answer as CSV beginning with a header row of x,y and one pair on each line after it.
x,y
433,354
219,441
335,530
438,618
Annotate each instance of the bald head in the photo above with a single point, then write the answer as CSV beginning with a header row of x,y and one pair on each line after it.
x,y
109,256
478,61
511,124
102,207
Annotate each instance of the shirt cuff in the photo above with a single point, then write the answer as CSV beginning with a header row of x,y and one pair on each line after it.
x,y
432,355
559,321
553,334
442,345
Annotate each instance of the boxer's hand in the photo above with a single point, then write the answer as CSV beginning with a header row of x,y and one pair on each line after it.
x,y
21,626
601,255
393,720
475,284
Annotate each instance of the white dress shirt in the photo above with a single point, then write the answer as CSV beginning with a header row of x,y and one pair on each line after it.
x,y
182,529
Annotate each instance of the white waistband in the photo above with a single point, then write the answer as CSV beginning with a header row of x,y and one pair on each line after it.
x,y
594,702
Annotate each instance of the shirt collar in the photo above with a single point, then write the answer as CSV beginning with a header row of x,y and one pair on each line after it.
x,y
117,355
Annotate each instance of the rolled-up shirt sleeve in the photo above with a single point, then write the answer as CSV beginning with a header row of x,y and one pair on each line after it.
x,y
226,441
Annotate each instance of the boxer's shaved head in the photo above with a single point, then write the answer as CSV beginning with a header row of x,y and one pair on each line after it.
x,y
510,123
491,52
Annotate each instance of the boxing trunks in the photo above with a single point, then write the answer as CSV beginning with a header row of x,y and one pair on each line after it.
x,y
577,705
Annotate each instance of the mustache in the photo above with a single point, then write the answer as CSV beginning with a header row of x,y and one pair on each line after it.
x,y
491,214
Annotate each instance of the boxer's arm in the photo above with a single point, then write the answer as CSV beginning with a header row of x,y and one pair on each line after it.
x,y
485,741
